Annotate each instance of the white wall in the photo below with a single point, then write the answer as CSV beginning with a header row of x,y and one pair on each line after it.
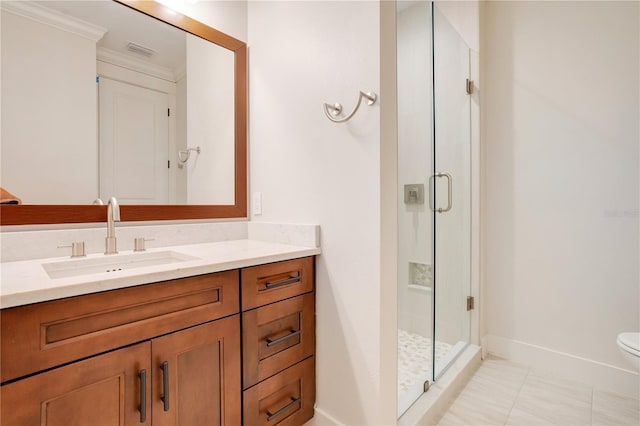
x,y
210,123
309,169
561,141
48,113
388,214
464,17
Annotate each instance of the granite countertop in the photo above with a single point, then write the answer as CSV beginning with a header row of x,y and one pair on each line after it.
x,y
25,282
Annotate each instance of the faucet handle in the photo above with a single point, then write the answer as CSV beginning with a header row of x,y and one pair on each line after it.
x,y
77,249
138,243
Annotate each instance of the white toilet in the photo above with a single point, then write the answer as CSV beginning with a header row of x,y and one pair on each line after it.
x,y
629,344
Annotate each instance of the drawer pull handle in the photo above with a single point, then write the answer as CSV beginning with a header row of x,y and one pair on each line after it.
x,y
165,385
269,285
271,416
271,342
143,395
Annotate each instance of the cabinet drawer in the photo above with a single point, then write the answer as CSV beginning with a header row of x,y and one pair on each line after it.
x,y
276,336
286,398
44,335
266,284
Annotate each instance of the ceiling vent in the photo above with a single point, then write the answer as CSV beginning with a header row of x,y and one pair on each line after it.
x,y
139,49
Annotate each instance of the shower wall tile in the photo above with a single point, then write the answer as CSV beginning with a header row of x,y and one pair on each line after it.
x,y
404,322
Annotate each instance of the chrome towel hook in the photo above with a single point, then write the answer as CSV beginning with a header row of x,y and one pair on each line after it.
x,y
333,111
183,156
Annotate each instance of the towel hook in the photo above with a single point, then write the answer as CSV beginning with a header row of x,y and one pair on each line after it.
x,y
332,111
183,156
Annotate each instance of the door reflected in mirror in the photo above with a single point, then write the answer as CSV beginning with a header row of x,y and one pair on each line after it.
x,y
100,100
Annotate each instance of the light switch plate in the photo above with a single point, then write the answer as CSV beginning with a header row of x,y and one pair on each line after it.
x,y
256,203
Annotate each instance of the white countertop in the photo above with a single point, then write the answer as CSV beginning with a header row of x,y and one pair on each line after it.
x,y
25,282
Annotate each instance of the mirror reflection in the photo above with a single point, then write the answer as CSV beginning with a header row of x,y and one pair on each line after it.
x,y
99,100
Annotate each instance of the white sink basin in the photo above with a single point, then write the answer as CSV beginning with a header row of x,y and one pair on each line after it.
x,y
112,263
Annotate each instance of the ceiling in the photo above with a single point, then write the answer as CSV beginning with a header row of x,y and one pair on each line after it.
x,y
126,25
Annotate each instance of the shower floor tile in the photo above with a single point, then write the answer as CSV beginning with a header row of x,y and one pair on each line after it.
x,y
414,363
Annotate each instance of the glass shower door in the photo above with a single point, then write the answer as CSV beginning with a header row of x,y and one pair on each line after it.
x,y
450,186
415,220
434,211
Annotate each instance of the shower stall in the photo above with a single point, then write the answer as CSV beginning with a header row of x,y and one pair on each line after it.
x,y
434,205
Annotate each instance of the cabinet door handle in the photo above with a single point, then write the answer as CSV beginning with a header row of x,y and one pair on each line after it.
x,y
269,285
143,395
165,384
271,416
271,342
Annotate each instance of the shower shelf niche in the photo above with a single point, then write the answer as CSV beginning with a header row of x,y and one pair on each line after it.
x,y
420,275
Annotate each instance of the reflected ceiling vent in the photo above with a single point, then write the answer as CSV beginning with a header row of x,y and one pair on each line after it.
x,y
140,49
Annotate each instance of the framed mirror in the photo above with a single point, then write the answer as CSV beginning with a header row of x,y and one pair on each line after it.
x,y
162,126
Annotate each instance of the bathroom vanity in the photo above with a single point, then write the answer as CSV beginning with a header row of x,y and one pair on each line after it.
x,y
232,346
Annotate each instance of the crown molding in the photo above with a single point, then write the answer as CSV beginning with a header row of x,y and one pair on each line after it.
x,y
116,58
180,72
51,17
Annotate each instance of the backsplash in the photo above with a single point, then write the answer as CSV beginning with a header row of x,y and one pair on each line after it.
x,y
24,245
293,234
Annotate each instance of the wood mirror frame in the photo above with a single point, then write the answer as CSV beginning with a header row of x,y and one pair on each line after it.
x,y
22,214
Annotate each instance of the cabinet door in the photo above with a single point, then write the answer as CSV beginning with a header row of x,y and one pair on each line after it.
x,y
103,390
196,378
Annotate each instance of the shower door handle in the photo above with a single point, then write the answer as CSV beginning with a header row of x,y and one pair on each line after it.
x,y
449,192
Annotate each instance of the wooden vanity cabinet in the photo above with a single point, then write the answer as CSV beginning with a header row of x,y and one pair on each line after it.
x,y
167,353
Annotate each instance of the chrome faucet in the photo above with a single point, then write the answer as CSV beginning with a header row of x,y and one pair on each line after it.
x,y
113,215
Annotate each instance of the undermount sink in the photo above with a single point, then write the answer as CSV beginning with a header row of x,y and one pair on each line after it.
x,y
112,263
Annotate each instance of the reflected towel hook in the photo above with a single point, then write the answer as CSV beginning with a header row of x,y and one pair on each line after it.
x,y
332,111
183,156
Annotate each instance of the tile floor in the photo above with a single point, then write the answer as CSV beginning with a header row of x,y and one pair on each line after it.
x,y
505,393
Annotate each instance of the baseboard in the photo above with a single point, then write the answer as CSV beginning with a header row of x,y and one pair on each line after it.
x,y
571,367
321,418
484,344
